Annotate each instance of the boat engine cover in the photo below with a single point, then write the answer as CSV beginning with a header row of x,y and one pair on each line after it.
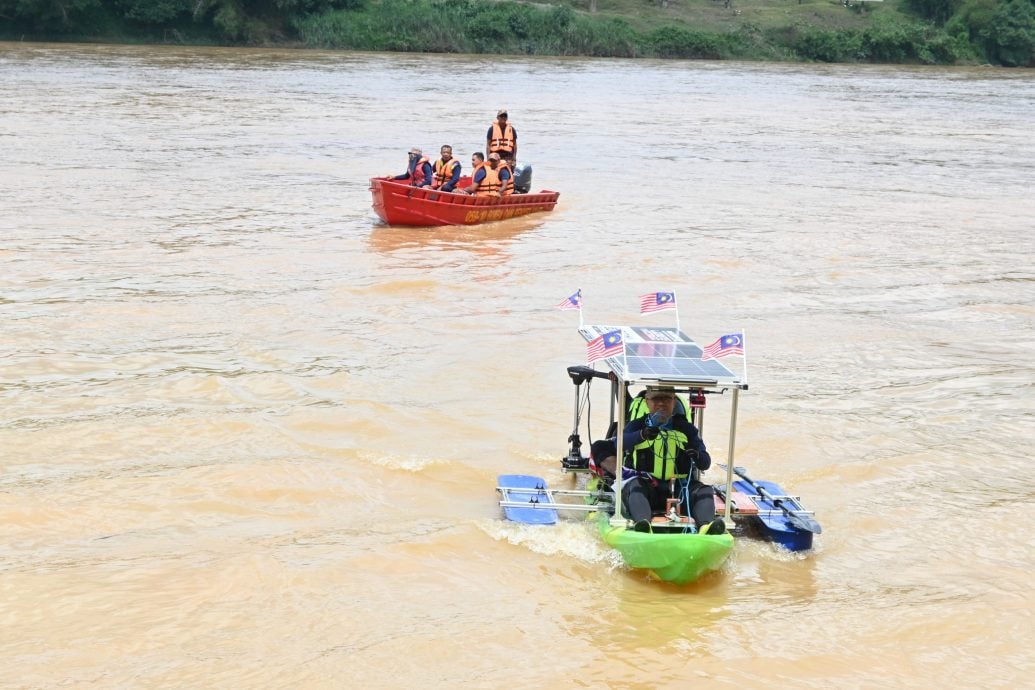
x,y
523,178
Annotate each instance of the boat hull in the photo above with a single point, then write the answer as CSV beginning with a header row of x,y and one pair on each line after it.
x,y
397,203
673,557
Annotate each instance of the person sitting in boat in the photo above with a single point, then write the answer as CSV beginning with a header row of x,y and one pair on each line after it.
x,y
502,138
489,179
478,176
665,448
503,173
447,170
418,170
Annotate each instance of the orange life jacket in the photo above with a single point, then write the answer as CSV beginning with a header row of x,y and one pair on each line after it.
x,y
444,172
490,184
508,186
502,141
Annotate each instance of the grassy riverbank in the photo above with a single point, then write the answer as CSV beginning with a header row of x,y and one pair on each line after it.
x,y
888,31
704,29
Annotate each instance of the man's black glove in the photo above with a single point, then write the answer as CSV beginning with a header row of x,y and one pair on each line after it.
x,y
650,433
684,460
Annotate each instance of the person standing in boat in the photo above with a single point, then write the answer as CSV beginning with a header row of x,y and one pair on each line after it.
x,y
502,138
664,450
418,170
447,170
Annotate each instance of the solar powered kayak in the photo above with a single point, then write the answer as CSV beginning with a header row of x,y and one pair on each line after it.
x,y
670,549
397,203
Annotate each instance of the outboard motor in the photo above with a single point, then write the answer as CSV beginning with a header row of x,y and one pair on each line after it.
x,y
523,178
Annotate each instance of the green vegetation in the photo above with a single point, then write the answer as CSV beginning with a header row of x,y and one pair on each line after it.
x,y
1000,32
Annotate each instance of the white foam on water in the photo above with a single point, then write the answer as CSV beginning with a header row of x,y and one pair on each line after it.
x,y
400,462
577,540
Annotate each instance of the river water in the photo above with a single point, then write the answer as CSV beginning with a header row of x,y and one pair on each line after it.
x,y
250,435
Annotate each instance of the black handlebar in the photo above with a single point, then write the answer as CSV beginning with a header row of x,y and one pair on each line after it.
x,y
580,373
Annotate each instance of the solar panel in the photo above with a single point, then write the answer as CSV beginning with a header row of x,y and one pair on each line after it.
x,y
663,354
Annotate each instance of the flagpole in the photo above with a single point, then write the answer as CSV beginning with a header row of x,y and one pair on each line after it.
x,y
743,346
674,299
579,293
625,359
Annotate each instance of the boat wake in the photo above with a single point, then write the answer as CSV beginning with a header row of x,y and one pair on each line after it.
x,y
578,540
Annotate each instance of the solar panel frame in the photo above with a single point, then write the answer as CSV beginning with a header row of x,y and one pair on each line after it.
x,y
664,356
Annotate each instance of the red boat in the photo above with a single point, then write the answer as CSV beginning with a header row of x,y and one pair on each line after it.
x,y
397,203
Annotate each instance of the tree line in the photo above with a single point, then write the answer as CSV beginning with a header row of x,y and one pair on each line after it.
x,y
1000,32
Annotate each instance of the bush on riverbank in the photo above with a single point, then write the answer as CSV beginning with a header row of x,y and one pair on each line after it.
x,y
893,31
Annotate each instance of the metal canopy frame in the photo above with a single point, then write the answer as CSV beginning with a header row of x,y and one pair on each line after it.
x,y
665,356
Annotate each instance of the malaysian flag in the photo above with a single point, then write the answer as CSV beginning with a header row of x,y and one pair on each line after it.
x,y
603,346
572,302
656,301
732,344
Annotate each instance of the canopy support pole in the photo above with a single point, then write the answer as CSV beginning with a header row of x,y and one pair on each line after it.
x,y
729,455
620,458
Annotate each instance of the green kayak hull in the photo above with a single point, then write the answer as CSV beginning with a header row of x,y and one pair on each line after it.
x,y
673,557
